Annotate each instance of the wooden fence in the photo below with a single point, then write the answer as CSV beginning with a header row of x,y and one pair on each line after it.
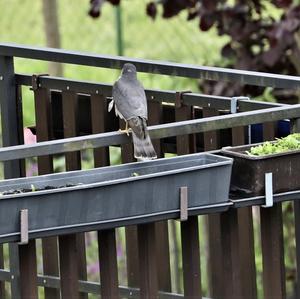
x,y
68,108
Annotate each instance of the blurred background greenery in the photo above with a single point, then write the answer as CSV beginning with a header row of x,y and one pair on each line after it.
x,y
174,40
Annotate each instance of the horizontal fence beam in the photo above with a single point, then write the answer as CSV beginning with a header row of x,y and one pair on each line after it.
x,y
86,226
88,286
146,218
151,66
261,200
192,99
156,132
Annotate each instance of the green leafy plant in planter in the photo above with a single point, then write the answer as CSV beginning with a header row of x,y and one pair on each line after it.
x,y
251,162
288,143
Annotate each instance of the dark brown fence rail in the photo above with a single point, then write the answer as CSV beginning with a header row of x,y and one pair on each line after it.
x,y
72,116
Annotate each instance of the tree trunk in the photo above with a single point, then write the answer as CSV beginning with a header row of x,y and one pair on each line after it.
x,y
52,33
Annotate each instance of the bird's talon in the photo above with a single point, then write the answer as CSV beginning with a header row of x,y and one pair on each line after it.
x,y
128,131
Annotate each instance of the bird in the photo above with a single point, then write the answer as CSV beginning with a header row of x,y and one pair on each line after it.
x,y
129,100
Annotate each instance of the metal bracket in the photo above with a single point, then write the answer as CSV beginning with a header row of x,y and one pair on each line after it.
x,y
24,227
234,103
183,203
35,80
178,98
268,190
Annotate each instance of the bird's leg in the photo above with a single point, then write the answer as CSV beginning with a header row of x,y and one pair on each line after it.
x,y
127,130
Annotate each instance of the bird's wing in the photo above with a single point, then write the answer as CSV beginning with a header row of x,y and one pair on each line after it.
x,y
130,99
110,105
138,126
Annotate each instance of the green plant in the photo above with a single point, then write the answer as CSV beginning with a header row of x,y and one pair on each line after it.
x,y
288,143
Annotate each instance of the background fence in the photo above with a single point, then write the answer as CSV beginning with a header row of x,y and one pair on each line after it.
x,y
175,40
233,246
22,22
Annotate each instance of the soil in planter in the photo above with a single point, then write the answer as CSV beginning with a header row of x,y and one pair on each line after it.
x,y
34,189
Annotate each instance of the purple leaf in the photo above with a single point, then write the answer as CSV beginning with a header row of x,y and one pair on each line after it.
x,y
283,3
207,21
272,56
95,9
151,10
227,51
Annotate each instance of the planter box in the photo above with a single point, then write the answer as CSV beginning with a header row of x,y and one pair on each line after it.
x,y
114,196
248,172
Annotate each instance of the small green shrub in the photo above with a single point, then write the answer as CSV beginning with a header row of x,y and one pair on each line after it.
x,y
288,143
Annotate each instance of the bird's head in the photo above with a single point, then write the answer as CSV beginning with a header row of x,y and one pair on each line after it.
x,y
129,70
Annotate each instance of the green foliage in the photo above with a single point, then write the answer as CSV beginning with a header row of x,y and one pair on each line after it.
x,y
289,143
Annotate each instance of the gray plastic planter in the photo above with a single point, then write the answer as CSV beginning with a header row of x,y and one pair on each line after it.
x,y
114,196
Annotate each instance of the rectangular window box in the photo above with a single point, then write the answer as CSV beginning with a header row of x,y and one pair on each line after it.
x,y
248,172
113,196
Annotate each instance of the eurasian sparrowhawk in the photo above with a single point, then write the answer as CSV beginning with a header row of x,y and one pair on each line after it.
x,y
131,105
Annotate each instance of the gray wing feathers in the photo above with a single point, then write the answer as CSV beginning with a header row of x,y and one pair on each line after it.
x,y
130,99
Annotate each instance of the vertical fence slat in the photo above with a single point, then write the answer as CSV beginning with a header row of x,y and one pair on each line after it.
x,y
147,261
247,253
238,136
155,117
26,253
230,247
28,272
163,256
42,119
162,236
210,138
20,130
14,270
132,253
295,128
213,224
98,116
132,256
2,283
232,282
68,267
297,237
69,98
189,228
272,242
246,236
106,238
268,131
45,166
191,258
73,162
13,248
9,115
12,134
108,264
272,252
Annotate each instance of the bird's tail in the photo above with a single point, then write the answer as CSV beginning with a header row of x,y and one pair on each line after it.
x,y
143,148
